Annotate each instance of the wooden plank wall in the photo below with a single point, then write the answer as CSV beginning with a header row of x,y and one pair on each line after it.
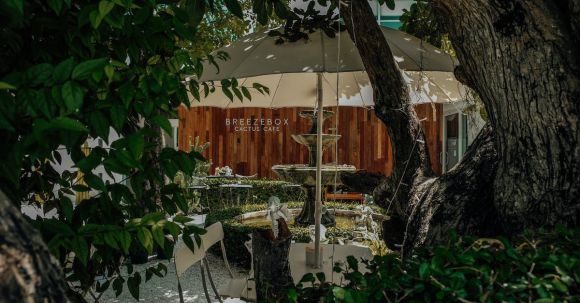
x,y
364,142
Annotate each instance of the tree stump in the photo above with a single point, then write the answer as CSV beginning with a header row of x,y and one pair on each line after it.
x,y
271,266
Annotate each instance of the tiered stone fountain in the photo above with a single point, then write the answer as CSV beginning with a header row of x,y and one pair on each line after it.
x,y
305,175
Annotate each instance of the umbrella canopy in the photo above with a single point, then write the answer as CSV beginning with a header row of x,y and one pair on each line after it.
x,y
290,71
354,89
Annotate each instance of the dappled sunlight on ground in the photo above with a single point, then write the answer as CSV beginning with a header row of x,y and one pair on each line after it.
x,y
164,290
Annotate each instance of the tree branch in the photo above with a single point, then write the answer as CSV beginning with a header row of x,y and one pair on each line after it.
x,y
392,101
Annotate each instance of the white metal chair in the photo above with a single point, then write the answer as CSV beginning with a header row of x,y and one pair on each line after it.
x,y
235,287
184,258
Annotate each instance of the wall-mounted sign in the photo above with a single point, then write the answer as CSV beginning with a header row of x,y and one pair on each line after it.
x,y
256,125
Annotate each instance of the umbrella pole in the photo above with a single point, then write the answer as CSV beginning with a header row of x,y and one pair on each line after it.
x,y
318,205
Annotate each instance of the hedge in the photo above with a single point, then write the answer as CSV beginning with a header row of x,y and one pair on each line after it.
x,y
538,267
236,234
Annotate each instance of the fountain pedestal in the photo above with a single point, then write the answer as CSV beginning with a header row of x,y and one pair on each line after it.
x,y
305,175
306,216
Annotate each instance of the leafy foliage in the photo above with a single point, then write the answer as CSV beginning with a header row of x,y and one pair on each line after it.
x,y
422,21
542,267
76,70
302,22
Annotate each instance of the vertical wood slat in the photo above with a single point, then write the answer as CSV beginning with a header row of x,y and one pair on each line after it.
x,y
364,142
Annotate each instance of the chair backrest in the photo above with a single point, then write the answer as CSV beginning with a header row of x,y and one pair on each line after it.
x,y
184,257
214,234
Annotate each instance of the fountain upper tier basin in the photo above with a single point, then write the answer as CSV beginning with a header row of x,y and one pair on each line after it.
x,y
310,139
312,114
306,175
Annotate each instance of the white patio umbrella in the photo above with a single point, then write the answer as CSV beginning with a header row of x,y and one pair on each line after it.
x,y
304,74
290,70
299,90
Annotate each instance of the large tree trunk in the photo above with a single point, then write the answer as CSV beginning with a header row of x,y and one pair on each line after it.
x,y
27,272
522,57
523,170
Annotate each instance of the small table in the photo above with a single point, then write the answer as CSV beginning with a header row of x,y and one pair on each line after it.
x,y
233,186
331,253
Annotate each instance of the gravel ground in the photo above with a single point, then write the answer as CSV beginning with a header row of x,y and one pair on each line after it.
x,y
164,290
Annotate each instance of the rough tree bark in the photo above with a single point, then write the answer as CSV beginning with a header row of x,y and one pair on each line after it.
x,y
270,257
522,57
27,272
523,170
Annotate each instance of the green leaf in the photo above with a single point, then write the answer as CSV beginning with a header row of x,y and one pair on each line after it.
x,y
109,71
17,5
81,188
81,249
66,123
118,285
99,124
57,227
144,236
56,6
73,95
390,4
352,263
235,8
152,218
158,236
118,117
124,238
423,270
133,284
246,93
92,160
110,240
40,73
153,60
321,277
86,68
105,7
136,144
4,85
558,285
163,123
67,208
94,182
309,277
62,70
96,19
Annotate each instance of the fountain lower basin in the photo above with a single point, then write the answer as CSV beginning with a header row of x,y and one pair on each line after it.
x,y
344,217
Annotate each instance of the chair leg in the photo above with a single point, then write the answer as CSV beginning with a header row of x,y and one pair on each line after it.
x,y
180,291
204,283
217,294
225,256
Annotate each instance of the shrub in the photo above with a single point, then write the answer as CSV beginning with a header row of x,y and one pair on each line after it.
x,y
542,267
236,233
